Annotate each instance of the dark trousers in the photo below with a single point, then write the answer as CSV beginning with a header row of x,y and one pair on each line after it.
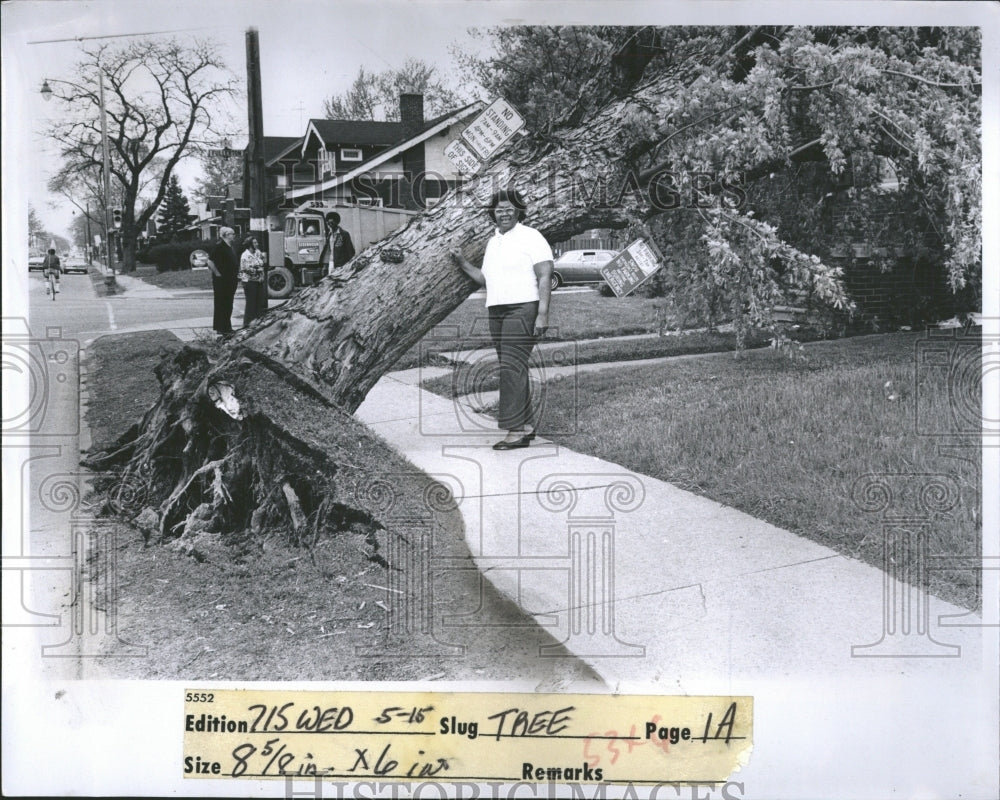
x,y
512,328
256,299
223,292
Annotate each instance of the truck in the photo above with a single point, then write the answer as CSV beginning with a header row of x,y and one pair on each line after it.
x,y
295,248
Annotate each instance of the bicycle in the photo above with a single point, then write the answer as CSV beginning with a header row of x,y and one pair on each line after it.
x,y
51,287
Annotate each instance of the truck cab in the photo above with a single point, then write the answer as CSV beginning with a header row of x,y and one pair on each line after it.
x,y
305,237
297,245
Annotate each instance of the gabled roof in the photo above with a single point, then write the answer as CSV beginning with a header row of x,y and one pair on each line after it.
x,y
428,130
345,131
276,146
367,132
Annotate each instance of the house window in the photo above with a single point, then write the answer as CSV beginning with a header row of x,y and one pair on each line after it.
x,y
350,154
282,181
327,160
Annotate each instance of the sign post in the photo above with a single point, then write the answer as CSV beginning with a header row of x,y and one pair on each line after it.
x,y
484,136
632,267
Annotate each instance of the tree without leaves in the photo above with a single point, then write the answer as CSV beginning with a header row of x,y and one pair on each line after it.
x,y
720,104
375,96
160,96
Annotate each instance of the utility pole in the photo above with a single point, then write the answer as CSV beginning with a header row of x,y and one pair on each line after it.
x,y
109,278
90,242
253,174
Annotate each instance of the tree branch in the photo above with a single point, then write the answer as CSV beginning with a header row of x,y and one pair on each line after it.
x,y
929,82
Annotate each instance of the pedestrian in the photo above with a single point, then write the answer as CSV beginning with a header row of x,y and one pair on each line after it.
x,y
252,275
51,264
339,248
224,264
516,271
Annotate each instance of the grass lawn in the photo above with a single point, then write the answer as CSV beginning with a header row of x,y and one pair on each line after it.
x,y
791,442
594,352
572,315
576,315
180,279
122,388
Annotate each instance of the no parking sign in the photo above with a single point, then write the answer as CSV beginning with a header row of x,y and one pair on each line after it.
x,y
632,266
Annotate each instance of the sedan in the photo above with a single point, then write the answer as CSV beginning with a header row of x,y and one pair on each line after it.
x,y
580,266
75,264
36,262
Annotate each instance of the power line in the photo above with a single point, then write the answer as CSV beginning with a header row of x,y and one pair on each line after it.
x,y
118,35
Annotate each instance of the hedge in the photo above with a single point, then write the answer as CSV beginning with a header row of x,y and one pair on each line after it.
x,y
172,257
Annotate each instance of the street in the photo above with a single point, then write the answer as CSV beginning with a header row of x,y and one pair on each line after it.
x,y
53,624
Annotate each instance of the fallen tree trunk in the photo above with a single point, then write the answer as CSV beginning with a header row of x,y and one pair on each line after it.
x,y
241,440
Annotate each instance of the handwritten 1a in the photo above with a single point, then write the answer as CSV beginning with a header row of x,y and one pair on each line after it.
x,y
728,720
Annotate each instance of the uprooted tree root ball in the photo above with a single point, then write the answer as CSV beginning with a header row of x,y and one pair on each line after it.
x,y
210,461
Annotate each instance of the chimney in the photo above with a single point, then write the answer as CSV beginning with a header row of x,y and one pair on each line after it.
x,y
411,113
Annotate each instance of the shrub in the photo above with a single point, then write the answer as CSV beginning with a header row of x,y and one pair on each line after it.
x,y
174,256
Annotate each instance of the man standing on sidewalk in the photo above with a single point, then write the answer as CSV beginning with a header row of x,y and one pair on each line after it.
x,y
225,268
339,248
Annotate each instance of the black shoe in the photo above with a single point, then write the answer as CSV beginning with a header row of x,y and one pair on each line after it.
x,y
524,441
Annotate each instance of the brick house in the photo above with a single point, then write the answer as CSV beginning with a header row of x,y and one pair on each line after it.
x,y
389,164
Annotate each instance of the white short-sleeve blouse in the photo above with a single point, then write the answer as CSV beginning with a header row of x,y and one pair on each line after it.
x,y
509,265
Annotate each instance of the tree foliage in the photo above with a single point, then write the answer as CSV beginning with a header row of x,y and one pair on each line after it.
x,y
160,95
218,174
375,95
36,228
758,106
39,237
175,212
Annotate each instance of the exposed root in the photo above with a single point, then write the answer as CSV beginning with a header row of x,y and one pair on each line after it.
x,y
180,491
202,476
294,508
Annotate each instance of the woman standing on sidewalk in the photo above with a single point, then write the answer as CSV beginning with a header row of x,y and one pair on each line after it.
x,y
252,276
516,271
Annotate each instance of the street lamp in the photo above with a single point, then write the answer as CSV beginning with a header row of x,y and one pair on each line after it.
x,y
46,92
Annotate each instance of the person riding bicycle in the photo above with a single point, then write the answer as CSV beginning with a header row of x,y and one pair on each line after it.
x,y
51,266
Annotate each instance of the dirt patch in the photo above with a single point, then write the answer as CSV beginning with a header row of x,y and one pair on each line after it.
x,y
396,600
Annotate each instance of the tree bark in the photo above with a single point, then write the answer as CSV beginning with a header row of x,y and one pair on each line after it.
x,y
325,348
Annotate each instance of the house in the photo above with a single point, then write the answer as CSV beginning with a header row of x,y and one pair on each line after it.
x,y
216,212
362,162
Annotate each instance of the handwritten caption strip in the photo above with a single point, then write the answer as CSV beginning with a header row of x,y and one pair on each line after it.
x,y
415,736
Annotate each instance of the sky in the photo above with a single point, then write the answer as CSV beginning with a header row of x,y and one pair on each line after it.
x,y
309,50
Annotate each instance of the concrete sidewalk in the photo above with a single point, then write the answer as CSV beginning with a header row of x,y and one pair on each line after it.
x,y
855,676
642,580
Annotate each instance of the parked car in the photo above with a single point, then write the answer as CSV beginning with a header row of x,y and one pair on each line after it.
x,y
36,262
580,266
